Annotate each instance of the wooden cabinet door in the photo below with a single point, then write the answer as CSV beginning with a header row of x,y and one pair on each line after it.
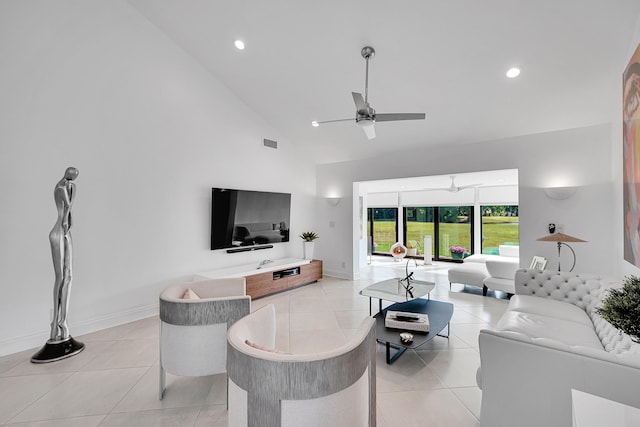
x,y
259,285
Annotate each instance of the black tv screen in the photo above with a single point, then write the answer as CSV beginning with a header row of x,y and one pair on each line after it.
x,y
248,218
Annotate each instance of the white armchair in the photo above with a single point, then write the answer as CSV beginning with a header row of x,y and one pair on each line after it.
x,y
268,388
501,275
193,332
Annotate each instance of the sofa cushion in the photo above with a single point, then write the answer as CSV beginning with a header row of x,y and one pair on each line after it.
x,y
503,269
550,308
498,284
479,258
509,251
577,289
538,326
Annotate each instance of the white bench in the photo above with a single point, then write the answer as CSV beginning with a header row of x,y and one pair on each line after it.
x,y
470,273
488,271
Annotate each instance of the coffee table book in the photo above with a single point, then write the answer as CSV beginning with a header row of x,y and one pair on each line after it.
x,y
419,325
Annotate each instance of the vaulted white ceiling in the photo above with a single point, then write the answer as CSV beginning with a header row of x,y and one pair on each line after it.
x,y
445,58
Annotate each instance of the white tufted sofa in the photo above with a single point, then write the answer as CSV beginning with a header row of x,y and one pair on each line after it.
x,y
548,342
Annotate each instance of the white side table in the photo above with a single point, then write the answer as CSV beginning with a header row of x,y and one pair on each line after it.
x,y
594,411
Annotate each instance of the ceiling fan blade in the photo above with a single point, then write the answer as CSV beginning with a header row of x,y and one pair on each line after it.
x,y
437,189
370,131
388,117
359,101
337,120
464,187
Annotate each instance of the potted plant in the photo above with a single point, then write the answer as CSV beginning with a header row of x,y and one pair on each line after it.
x,y
308,243
458,252
621,307
412,248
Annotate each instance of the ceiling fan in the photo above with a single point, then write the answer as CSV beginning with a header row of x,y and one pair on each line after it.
x,y
365,115
453,188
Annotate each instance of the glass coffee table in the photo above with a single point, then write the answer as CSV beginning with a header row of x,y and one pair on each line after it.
x,y
391,290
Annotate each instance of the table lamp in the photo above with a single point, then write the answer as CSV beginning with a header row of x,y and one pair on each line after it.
x,y
561,239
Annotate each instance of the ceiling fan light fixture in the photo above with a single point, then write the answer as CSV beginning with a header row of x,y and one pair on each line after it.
x,y
513,72
365,114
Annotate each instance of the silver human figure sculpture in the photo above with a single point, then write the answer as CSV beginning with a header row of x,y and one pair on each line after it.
x,y
61,250
60,344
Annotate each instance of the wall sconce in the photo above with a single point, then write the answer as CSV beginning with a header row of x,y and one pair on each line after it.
x,y
333,201
560,193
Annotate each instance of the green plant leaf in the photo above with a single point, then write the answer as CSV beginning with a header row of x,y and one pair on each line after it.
x,y
621,307
309,236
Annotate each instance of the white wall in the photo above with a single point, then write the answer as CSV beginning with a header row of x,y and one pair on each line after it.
x,y
580,157
94,85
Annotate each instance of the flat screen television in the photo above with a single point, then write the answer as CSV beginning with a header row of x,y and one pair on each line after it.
x,y
244,218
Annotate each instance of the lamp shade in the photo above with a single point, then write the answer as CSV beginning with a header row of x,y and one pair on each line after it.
x,y
560,237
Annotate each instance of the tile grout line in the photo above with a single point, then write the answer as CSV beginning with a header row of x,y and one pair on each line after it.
x,y
69,374
125,394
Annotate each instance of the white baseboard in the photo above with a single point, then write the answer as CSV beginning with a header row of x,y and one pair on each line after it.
x,y
35,341
337,274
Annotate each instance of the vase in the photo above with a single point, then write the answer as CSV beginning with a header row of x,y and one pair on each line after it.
x,y
457,255
308,249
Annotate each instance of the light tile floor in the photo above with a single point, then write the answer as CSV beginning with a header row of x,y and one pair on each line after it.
x,y
114,381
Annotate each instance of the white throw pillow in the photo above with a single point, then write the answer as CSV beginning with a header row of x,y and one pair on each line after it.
x,y
190,294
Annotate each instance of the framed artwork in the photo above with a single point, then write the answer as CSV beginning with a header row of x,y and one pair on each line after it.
x,y
538,263
631,158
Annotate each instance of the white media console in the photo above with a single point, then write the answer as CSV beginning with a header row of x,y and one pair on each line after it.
x,y
275,276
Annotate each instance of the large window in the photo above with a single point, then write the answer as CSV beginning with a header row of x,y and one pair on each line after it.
x,y
419,222
500,226
455,228
382,228
448,225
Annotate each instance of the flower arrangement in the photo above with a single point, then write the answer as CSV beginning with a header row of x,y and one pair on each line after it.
x,y
621,307
458,250
309,236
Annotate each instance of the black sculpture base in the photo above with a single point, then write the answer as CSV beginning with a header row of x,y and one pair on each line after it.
x,y
57,350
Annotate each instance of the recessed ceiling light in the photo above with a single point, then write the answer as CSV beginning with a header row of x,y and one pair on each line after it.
x,y
513,72
315,124
239,44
